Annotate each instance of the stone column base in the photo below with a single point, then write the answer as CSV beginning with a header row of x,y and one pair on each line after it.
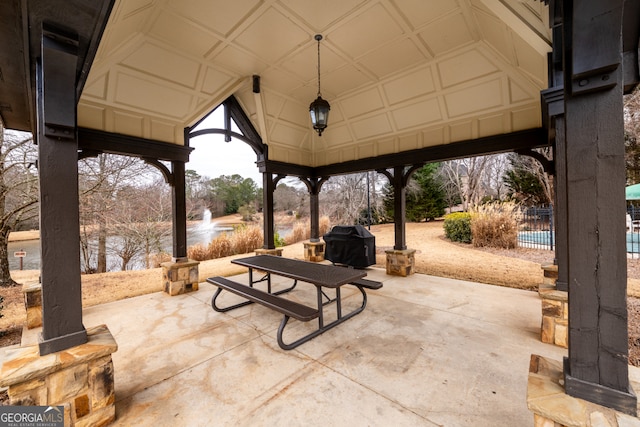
x,y
314,251
262,251
80,379
401,262
33,304
555,315
180,277
551,407
550,272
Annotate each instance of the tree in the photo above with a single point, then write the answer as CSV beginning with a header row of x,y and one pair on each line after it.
x,y
18,190
632,135
344,197
99,179
527,181
234,191
289,199
140,223
464,176
425,197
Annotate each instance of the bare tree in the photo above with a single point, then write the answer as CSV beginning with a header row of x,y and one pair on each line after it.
x,y
141,221
289,198
493,182
100,178
18,190
344,197
464,176
632,136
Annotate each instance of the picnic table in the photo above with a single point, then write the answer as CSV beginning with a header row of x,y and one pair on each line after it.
x,y
320,275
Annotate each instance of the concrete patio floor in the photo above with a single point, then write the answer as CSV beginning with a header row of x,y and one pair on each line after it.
x,y
426,351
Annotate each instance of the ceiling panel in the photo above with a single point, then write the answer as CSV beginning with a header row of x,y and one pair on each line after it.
x,y
424,72
417,13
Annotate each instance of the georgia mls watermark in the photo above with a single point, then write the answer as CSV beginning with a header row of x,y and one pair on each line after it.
x,y
31,416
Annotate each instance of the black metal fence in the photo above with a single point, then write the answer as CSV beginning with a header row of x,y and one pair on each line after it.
x,y
536,230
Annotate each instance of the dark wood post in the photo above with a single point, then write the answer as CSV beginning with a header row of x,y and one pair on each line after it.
x,y
314,212
268,186
560,182
314,184
62,326
597,366
399,180
179,208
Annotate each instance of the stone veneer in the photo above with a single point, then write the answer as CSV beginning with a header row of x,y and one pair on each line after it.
x,y
552,407
79,378
180,277
314,251
555,309
33,304
401,262
262,251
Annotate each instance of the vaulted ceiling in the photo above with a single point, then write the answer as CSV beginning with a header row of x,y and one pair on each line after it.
x,y
399,74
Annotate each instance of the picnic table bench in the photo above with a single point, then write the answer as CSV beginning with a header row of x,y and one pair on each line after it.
x,y
319,275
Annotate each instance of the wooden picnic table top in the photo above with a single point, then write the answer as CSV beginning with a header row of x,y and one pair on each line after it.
x,y
318,274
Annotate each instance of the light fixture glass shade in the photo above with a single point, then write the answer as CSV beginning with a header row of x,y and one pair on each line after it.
x,y
319,110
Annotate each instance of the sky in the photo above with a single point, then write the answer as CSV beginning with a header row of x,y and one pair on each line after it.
x,y
212,156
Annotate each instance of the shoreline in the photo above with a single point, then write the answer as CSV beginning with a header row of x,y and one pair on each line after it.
x,y
228,220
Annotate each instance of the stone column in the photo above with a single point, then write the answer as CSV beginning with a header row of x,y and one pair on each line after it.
x,y
180,277
79,379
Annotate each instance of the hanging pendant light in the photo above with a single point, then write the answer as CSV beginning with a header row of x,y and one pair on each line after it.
x,y
319,109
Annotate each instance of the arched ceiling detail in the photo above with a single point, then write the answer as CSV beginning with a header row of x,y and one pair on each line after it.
x,y
399,74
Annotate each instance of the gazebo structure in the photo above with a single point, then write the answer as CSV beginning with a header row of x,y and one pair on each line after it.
x,y
409,82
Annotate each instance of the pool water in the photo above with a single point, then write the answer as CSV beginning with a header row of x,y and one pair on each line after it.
x,y
544,240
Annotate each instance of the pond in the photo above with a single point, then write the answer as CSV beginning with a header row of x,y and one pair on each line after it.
x,y
195,235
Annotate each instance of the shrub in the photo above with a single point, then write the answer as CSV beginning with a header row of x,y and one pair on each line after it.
x,y
220,247
457,227
157,259
197,253
301,231
278,241
247,212
495,225
243,240
246,239
324,225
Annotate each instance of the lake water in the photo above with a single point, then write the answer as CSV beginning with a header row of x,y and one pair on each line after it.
x,y
196,234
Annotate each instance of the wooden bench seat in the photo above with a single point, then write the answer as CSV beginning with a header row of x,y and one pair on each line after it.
x,y
282,305
368,284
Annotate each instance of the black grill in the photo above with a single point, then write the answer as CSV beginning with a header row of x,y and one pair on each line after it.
x,y
350,245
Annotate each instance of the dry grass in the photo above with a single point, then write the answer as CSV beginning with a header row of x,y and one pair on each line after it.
x,y
495,225
302,230
245,239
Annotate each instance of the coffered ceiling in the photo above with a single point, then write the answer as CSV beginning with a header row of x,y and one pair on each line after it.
x,y
399,74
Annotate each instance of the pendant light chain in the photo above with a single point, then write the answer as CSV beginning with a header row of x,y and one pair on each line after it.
x,y
318,37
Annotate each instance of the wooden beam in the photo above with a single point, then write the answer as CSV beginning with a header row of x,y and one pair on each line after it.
x,y
125,145
532,138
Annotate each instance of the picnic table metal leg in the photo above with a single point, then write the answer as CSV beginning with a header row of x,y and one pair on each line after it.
x,y
225,309
321,327
320,316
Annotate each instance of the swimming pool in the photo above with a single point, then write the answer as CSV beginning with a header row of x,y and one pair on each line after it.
x,y
546,240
